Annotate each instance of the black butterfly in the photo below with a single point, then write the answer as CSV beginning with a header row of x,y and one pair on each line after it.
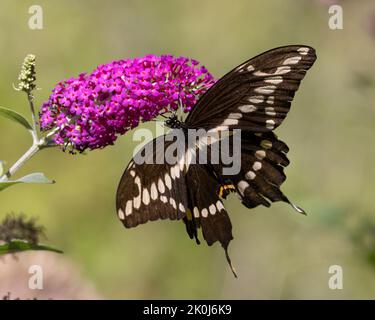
x,y
254,97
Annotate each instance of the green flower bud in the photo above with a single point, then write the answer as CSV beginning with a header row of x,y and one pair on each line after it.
x,y
27,75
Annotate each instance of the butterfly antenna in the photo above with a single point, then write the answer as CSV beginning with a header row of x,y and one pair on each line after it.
x,y
230,262
174,112
180,103
181,108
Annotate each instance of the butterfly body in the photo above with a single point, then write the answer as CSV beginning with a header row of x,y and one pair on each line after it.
x,y
173,123
253,98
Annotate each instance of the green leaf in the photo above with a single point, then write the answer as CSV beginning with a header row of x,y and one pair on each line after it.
x,y
16,117
20,245
37,177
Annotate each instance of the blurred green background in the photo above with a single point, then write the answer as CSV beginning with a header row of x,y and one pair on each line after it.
x,y
330,131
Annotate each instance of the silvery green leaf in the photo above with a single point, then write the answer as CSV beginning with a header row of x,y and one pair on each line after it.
x,y
37,177
16,117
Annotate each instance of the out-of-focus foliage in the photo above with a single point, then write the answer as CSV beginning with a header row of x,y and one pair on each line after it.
x,y
19,227
18,233
15,246
330,131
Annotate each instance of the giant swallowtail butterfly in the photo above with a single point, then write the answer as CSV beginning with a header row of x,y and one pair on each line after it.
x,y
254,97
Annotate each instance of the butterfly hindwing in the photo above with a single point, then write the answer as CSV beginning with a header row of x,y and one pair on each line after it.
x,y
263,159
208,211
255,96
207,207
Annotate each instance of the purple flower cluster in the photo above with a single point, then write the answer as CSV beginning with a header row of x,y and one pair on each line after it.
x,y
92,110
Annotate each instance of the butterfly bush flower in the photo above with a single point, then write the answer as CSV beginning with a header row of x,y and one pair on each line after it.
x,y
90,111
27,76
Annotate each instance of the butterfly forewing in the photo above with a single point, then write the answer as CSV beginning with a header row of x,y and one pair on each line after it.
x,y
153,189
150,191
255,96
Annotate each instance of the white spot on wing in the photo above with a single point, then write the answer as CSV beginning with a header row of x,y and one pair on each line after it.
x,y
303,51
219,205
161,186
247,108
250,175
128,207
204,213
242,185
181,207
274,80
271,100
257,166
196,212
121,213
270,124
230,122
145,197
173,176
137,200
279,71
168,181
212,209
292,60
235,115
265,89
260,154
154,191
256,99
270,111
137,181
173,203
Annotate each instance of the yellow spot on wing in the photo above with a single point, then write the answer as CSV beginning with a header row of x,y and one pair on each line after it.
x,y
189,216
225,187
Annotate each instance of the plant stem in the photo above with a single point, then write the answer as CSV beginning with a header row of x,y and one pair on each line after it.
x,y
39,144
30,98
21,161
36,146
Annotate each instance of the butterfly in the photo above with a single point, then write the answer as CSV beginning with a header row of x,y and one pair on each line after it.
x,y
255,98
